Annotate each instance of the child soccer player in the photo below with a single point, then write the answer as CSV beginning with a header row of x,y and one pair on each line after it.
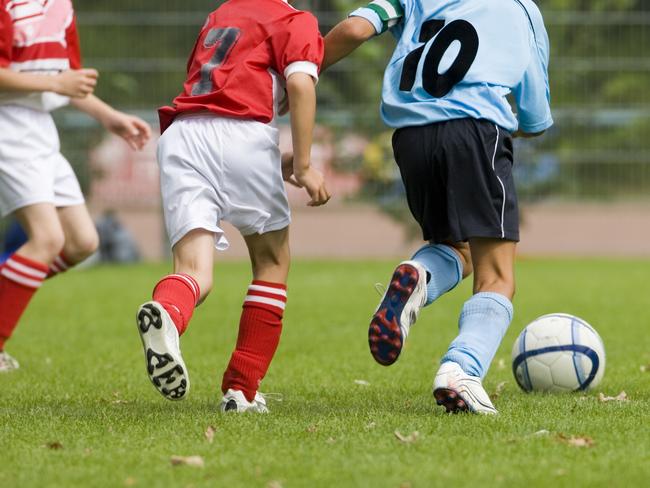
x,y
219,160
445,94
40,70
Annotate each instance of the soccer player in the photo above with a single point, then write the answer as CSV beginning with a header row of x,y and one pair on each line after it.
x,y
40,70
219,160
445,92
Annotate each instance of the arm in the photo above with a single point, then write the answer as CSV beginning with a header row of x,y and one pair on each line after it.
x,y
344,38
302,96
135,131
532,95
72,83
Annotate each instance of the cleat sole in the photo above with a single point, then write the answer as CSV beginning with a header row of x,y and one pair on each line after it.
x,y
451,400
166,372
385,334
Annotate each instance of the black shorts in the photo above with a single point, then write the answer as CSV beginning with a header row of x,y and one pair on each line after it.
x,y
458,179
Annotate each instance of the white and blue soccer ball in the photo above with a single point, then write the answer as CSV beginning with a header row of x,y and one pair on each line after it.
x,y
558,353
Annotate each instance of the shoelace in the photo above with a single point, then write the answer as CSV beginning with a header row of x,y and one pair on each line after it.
x,y
276,397
380,288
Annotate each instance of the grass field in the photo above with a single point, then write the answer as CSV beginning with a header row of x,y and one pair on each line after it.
x,y
81,411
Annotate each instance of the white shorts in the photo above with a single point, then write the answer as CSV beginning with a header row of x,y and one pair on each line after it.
x,y
32,170
213,169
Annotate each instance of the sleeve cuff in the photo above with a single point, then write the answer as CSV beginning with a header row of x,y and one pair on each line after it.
x,y
371,16
534,128
306,67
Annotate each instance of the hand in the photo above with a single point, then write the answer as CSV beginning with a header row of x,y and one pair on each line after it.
x,y
312,180
76,83
287,169
135,131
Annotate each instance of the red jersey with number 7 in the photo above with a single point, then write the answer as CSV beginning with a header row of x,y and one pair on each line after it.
x,y
244,53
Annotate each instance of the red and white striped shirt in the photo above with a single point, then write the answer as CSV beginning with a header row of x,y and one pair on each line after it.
x,y
38,36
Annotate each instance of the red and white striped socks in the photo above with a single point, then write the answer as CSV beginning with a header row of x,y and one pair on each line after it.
x,y
178,294
59,265
260,327
20,277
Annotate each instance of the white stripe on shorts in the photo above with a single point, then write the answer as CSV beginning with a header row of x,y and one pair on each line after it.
x,y
503,188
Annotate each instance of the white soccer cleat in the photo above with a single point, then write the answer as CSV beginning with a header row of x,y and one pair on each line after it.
x,y
397,312
7,363
160,341
460,392
235,401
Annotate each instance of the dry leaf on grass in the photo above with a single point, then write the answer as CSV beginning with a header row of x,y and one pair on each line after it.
x,y
541,432
407,439
130,481
576,441
621,397
371,425
209,434
312,428
362,382
55,446
498,390
331,440
274,484
117,400
644,368
194,461
501,364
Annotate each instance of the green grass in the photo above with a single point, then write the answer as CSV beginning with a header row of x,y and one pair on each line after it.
x,y
82,384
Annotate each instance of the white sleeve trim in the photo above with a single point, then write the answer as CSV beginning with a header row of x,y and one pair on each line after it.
x,y
306,67
371,16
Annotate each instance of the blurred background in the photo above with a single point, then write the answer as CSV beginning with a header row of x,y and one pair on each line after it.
x,y
584,186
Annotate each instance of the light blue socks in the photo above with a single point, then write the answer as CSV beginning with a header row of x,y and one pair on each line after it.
x,y
483,322
444,266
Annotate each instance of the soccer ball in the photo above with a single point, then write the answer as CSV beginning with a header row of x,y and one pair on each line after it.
x,y
558,353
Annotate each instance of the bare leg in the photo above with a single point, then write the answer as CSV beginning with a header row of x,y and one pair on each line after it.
x,y
45,237
260,325
81,239
494,266
194,256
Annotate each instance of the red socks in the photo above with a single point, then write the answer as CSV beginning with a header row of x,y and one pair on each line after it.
x,y
19,279
259,334
178,294
60,265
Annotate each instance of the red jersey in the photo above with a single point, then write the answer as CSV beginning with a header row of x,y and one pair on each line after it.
x,y
245,49
38,36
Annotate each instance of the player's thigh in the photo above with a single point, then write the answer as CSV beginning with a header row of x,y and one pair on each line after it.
x,y
252,179
494,265
188,183
481,193
194,255
424,184
270,255
81,237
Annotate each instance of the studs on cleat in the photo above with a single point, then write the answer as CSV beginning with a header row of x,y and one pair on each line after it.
x,y
149,316
230,406
162,360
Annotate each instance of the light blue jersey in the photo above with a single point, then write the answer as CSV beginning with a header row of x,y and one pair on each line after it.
x,y
462,58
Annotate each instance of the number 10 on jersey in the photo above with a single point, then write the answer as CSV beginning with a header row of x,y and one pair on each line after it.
x,y
436,84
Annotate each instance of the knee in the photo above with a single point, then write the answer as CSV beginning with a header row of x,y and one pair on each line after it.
x,y
80,247
48,244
